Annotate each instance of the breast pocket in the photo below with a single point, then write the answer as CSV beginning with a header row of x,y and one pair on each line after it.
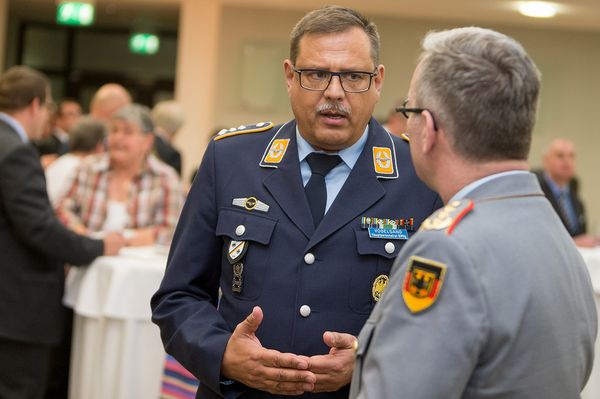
x,y
370,277
256,231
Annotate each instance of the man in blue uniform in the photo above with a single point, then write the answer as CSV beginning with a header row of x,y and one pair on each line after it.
x,y
297,225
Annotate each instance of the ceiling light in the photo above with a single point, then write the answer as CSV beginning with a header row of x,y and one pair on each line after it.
x,y
538,9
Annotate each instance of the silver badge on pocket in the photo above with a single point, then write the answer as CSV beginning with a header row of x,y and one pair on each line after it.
x,y
236,251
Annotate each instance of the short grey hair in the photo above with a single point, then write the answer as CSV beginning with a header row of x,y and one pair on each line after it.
x,y
168,115
86,134
483,88
138,114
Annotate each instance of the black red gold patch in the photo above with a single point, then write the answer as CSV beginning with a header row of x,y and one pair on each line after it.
x,y
422,283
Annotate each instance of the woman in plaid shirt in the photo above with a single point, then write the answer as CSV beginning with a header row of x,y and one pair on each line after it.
x,y
126,189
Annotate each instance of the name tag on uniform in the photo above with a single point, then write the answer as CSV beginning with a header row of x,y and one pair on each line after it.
x,y
388,234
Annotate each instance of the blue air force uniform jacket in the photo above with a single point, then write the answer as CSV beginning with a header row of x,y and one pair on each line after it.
x,y
249,189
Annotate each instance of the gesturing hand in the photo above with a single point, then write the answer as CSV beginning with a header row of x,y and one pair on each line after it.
x,y
247,361
334,370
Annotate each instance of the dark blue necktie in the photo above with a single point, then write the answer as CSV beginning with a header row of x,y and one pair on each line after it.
x,y
564,210
316,191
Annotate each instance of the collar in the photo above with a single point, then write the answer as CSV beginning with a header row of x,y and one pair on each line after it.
x,y
555,188
466,190
12,122
378,145
61,135
349,155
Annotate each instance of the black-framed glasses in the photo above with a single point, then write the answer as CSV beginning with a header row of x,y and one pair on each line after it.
x,y
405,111
319,79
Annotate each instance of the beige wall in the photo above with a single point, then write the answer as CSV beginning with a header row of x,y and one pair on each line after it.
x,y
253,42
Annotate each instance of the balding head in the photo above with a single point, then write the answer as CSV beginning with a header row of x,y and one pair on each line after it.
x,y
559,161
109,99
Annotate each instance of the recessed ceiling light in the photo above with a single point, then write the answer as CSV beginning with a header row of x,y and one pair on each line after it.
x,y
538,9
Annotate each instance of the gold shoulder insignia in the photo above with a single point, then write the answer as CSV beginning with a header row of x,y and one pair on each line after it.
x,y
405,137
234,131
423,282
448,217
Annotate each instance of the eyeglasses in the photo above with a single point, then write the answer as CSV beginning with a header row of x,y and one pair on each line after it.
x,y
319,80
405,111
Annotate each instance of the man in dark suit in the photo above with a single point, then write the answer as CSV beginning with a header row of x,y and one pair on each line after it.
x,y
167,117
57,143
559,185
33,243
297,225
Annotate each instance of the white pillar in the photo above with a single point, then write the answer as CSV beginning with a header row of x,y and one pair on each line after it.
x,y
3,31
196,76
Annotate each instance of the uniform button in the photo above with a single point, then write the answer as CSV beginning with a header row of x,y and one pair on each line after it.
x,y
309,259
305,310
390,247
240,230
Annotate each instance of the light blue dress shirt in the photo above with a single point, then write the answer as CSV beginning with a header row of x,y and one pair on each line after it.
x,y
12,122
565,192
336,178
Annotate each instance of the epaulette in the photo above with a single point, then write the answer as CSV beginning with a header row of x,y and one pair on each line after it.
x,y
234,131
448,217
405,137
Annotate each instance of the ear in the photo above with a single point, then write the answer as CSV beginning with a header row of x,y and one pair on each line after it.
x,y
430,135
378,79
288,70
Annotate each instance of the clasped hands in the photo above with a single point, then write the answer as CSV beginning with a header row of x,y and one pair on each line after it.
x,y
247,361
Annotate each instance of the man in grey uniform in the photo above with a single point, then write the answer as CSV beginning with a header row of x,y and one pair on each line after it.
x,y
491,299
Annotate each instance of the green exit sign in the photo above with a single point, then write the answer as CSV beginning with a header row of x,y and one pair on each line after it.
x,y
144,43
75,13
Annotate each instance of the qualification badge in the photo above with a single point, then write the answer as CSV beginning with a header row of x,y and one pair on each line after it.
x,y
250,204
277,151
235,253
382,159
422,283
379,286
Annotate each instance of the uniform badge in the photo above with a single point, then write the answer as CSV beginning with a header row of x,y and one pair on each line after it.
x,y
382,159
387,229
277,151
250,204
236,251
379,286
238,279
422,283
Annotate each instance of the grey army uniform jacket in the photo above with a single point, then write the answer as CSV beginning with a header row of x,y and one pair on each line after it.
x,y
502,305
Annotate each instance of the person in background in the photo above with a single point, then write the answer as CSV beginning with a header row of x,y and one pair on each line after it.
x,y
491,298
56,142
168,117
86,138
559,185
297,225
34,244
395,123
107,100
127,188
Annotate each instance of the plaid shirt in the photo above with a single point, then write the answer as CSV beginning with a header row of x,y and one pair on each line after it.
x,y
155,197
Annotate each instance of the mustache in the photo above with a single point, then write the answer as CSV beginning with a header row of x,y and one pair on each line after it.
x,y
337,107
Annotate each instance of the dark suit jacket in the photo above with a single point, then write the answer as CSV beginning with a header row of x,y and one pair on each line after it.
x,y
337,284
34,245
167,153
581,227
51,145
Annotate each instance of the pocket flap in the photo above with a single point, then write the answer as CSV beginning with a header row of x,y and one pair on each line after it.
x,y
252,227
375,246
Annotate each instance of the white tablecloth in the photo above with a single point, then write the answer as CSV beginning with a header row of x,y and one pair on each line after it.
x,y
592,260
116,352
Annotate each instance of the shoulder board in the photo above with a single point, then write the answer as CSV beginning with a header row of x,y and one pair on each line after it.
x,y
405,137
234,131
448,217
